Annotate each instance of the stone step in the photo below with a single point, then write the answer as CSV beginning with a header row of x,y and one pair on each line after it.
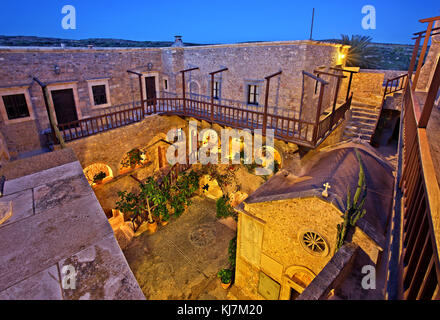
x,y
357,129
365,139
365,125
363,120
358,113
350,134
365,110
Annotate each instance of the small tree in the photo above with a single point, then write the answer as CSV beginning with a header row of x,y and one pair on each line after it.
x,y
361,53
131,205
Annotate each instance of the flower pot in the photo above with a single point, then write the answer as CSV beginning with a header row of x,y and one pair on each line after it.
x,y
225,285
164,223
152,227
98,182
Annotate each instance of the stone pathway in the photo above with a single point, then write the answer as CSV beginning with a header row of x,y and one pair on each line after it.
x,y
181,260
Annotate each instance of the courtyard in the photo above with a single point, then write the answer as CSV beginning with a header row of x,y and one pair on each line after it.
x,y
181,261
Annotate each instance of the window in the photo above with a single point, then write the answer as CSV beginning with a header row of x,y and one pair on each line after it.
x,y
252,94
16,106
313,243
216,90
165,84
99,94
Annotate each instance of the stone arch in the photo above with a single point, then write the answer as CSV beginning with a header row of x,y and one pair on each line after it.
x,y
297,278
278,155
194,87
151,154
92,170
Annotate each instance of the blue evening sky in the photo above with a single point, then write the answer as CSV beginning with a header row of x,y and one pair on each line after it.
x,y
225,21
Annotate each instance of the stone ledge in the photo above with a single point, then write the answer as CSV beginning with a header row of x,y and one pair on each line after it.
x,y
333,273
23,167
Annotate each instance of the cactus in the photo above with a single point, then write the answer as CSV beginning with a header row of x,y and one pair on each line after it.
x,y
354,210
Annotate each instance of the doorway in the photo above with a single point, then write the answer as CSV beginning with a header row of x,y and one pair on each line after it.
x,y
64,105
150,88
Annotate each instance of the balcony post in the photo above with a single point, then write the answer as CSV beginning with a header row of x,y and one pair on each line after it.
x,y
430,99
338,83
422,54
412,64
142,96
183,92
212,98
318,113
183,86
266,100
212,91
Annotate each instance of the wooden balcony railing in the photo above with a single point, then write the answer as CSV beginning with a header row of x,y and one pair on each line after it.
x,y
392,85
420,273
395,85
413,259
291,129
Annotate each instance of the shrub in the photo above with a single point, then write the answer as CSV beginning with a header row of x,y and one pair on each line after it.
x,y
232,251
99,176
134,158
225,275
224,209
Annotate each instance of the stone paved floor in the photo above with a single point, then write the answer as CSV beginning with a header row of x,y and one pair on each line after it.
x,y
181,260
57,221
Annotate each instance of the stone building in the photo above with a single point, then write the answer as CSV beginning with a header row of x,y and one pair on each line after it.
x,y
287,228
87,82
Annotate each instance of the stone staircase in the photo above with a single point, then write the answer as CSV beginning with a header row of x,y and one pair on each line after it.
x,y
364,117
393,101
362,122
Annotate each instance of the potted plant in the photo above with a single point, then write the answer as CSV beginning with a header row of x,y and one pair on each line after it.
x,y
97,178
134,158
225,276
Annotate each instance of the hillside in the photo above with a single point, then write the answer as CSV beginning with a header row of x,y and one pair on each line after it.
x,y
387,56
30,41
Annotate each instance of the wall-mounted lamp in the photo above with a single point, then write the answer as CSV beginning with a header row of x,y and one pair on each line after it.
x,y
342,55
56,69
149,66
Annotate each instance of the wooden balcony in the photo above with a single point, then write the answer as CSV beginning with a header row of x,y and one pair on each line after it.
x,y
287,128
420,267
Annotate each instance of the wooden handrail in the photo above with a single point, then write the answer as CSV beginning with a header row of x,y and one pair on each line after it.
x,y
430,19
315,77
286,128
330,74
419,260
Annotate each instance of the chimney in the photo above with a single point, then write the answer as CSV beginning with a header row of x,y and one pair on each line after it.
x,y
177,42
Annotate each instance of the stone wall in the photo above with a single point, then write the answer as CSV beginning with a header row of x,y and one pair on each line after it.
x,y
333,274
18,66
367,86
76,66
269,242
251,63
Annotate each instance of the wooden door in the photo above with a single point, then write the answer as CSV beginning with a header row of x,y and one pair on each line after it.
x,y
150,87
64,105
